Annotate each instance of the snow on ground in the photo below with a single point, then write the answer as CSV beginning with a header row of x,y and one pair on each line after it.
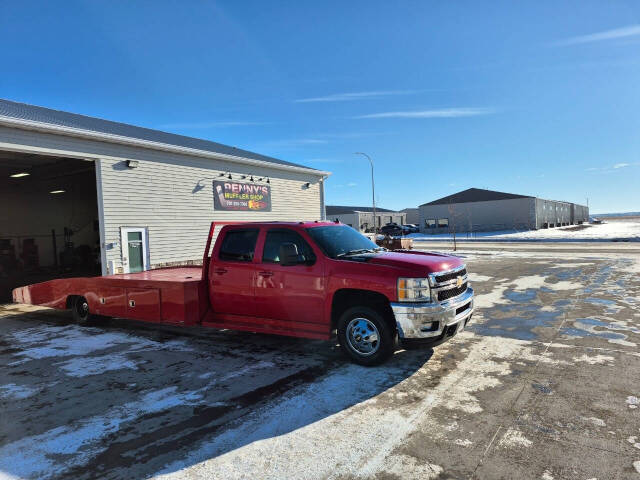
x,y
628,231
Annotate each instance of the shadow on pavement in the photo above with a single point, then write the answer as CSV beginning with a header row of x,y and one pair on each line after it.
x,y
125,400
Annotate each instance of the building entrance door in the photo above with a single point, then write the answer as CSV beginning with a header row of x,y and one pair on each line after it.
x,y
134,249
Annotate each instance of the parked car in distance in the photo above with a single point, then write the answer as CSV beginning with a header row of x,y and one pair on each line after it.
x,y
302,279
394,230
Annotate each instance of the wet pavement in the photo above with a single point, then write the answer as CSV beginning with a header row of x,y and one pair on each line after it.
x,y
545,384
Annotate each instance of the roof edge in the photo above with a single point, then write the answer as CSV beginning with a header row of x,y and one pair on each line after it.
x,y
478,201
511,196
136,142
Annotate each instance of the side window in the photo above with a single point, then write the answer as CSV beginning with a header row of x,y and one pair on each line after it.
x,y
443,222
430,223
239,245
275,238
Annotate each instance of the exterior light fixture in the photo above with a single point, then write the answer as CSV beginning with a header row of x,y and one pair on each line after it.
x,y
222,174
252,178
306,185
243,177
229,177
20,174
268,180
132,163
56,191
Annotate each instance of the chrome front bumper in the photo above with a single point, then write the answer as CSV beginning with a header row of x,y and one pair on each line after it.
x,y
429,320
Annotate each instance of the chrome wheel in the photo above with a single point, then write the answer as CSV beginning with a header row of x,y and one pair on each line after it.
x,y
363,336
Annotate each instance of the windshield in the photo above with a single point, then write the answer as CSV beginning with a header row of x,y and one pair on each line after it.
x,y
341,241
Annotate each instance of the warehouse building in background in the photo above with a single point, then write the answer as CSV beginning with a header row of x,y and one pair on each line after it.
x,y
478,210
413,215
361,218
83,196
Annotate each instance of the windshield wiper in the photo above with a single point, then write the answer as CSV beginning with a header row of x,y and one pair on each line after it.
x,y
356,252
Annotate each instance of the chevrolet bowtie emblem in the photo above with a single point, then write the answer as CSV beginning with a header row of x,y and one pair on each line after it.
x,y
459,282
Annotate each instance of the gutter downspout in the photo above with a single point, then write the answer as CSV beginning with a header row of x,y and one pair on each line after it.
x,y
323,210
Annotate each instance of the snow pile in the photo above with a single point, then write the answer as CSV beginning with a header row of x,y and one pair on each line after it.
x,y
606,232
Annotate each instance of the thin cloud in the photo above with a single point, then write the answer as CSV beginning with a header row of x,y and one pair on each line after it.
x,y
347,97
350,135
437,113
296,142
616,166
616,33
352,184
205,125
324,160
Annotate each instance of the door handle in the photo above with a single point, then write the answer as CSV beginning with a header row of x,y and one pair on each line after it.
x,y
220,271
265,274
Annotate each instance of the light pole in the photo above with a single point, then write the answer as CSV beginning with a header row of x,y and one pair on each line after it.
x,y
373,192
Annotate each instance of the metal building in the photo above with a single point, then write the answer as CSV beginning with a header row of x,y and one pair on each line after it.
x,y
478,210
361,218
81,195
413,215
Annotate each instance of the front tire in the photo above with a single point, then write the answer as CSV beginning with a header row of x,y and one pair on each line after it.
x,y
365,336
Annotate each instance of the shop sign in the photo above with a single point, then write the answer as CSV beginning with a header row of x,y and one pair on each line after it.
x,y
241,196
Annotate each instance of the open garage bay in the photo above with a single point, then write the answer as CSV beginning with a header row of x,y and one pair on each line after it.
x,y
48,219
544,384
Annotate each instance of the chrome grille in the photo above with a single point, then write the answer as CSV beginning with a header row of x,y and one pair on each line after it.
x,y
444,285
452,292
450,276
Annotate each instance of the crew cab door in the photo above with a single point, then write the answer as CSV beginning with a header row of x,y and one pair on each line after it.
x,y
232,273
291,293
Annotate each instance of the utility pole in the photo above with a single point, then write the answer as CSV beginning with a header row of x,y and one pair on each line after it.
x,y
373,192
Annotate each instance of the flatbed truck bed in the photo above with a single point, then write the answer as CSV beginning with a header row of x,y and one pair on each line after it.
x,y
168,295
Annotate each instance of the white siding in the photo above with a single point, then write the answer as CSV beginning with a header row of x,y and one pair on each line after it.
x,y
167,199
164,194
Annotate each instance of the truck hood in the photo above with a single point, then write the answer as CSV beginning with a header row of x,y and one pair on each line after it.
x,y
421,262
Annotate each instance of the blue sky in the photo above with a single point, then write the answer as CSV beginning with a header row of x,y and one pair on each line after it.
x,y
538,97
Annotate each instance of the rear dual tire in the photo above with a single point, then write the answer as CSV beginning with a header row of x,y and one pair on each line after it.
x,y
365,336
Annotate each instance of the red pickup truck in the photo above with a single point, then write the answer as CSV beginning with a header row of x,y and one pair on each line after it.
x,y
303,279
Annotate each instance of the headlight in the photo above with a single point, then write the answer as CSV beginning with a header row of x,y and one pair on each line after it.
x,y
414,290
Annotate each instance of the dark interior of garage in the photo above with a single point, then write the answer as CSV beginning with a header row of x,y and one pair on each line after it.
x,y
48,219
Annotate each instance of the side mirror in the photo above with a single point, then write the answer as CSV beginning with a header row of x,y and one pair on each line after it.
x,y
289,255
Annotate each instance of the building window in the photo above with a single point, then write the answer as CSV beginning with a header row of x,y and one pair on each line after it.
x,y
443,222
430,223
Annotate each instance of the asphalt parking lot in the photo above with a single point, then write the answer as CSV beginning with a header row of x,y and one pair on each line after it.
x,y
545,384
